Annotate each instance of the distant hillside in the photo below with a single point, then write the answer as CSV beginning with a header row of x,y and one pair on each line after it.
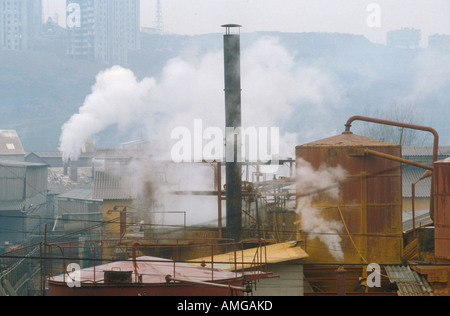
x,y
39,91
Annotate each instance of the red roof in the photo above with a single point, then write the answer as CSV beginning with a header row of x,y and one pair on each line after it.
x,y
153,270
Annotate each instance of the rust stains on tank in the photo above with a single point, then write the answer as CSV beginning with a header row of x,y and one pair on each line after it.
x,y
370,198
442,210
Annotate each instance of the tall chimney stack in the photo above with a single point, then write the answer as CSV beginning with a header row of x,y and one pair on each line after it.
x,y
232,61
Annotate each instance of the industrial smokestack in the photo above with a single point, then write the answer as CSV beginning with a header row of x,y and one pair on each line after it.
x,y
233,121
65,168
74,170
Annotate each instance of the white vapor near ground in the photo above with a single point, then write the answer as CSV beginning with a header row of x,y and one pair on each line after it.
x,y
309,183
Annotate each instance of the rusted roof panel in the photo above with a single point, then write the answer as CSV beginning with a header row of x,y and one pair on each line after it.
x,y
350,140
408,281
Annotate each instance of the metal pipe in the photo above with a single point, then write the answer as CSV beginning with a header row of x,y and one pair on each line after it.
x,y
340,280
405,125
395,158
413,198
398,124
219,197
135,265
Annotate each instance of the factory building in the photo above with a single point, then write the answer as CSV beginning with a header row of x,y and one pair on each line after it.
x,y
23,201
416,190
78,211
54,158
335,220
11,146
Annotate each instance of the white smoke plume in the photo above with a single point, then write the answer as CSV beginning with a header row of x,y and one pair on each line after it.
x,y
311,182
117,99
274,86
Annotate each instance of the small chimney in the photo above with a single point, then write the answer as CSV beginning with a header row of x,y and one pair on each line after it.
x,y
66,168
74,171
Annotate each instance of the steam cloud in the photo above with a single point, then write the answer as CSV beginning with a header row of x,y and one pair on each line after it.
x,y
324,180
274,86
117,98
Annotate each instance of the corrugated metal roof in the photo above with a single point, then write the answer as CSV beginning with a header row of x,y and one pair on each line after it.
x,y
425,151
20,180
56,154
411,175
408,281
78,194
10,143
22,164
11,205
422,219
276,253
120,153
23,204
109,186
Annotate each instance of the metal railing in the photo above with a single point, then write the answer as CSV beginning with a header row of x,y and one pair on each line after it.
x,y
55,257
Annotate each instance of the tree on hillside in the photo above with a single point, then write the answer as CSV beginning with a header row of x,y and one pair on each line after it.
x,y
392,134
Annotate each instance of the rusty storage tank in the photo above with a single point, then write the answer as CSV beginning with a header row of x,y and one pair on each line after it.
x,y
369,207
442,210
148,276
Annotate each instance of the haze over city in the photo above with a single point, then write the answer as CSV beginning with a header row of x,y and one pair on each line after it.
x,y
335,16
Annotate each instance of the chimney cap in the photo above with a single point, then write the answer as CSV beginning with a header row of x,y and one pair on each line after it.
x,y
229,26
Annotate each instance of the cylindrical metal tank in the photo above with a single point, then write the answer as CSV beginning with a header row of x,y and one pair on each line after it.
x,y
370,200
442,210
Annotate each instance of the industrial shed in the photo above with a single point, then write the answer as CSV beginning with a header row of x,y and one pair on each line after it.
x,y
23,200
10,146
54,158
422,186
77,210
284,261
118,194
412,174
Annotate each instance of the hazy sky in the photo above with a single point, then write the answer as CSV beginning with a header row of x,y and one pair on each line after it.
x,y
342,16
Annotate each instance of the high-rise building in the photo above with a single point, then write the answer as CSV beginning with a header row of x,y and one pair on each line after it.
x,y
439,41
103,30
20,23
404,38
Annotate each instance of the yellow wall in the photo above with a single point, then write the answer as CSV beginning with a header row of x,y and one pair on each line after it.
x,y
112,230
419,203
